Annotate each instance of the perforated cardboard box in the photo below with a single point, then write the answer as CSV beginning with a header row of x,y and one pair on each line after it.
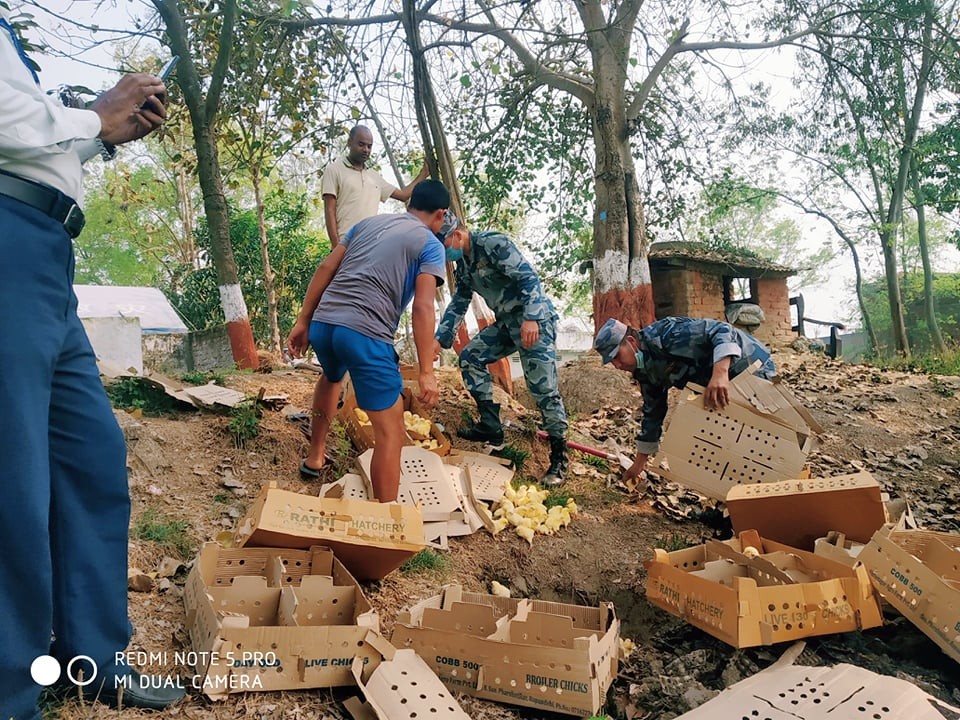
x,y
371,539
275,619
763,435
797,512
918,572
533,653
783,594
822,693
401,686
362,435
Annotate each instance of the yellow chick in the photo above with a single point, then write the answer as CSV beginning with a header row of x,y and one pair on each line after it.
x,y
499,590
499,524
526,533
572,506
627,646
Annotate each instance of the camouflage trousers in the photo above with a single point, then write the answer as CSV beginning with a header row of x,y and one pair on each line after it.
x,y
539,364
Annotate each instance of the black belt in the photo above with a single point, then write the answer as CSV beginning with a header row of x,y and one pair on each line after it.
x,y
48,200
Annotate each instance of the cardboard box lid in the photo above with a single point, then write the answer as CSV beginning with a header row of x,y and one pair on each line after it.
x,y
371,539
423,481
402,686
823,693
797,512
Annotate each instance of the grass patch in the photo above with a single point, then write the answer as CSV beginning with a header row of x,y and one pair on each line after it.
x,y
164,531
244,422
135,393
423,561
339,445
557,497
947,363
516,455
196,377
223,498
594,461
672,542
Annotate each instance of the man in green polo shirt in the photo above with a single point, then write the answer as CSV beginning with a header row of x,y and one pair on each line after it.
x,y
353,192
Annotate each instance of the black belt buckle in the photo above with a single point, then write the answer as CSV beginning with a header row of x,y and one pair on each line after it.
x,y
74,221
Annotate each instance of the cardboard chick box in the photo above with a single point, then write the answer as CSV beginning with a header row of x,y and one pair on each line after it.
x,y
749,591
545,655
763,435
360,431
918,572
797,512
371,539
275,619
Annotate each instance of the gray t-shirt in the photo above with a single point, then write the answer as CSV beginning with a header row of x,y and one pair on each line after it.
x,y
378,274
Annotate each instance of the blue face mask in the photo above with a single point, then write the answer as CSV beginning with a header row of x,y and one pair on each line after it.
x,y
639,359
453,254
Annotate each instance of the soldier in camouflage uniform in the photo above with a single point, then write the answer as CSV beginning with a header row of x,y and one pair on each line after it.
x,y
670,353
490,264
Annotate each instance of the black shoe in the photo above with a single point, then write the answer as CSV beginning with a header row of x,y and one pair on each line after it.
x,y
558,463
488,430
133,690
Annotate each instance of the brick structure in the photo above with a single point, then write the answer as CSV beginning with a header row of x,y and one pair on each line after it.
x,y
694,281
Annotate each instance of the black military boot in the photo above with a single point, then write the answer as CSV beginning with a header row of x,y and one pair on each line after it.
x,y
488,429
558,462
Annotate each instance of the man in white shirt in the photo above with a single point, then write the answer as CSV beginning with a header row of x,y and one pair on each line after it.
x,y
353,192
66,506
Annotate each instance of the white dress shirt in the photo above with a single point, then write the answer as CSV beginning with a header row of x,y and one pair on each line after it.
x,y
39,138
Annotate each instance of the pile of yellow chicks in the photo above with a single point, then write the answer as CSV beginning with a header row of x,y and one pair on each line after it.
x,y
417,426
523,509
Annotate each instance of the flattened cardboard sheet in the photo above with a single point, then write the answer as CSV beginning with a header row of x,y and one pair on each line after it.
x,y
797,512
762,436
918,572
823,693
424,481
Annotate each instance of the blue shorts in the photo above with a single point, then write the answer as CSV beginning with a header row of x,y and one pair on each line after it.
x,y
373,364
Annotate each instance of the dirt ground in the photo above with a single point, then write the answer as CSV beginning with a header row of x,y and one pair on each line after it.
x,y
904,428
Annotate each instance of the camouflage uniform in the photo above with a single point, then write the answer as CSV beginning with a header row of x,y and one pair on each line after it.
x,y
679,350
510,286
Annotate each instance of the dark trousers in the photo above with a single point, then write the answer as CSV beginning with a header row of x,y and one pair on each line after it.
x,y
65,504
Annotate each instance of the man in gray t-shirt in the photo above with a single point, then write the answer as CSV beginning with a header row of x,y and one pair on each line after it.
x,y
350,314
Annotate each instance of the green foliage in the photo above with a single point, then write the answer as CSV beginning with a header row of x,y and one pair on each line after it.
x,y
169,533
672,542
244,423
197,377
946,293
947,363
516,455
557,497
134,393
423,561
295,253
597,462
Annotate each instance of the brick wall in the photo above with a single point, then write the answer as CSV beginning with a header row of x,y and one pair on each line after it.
x,y
692,293
773,297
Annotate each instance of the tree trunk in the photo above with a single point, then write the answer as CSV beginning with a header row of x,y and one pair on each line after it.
x,y
218,221
203,111
269,286
621,273
437,149
929,306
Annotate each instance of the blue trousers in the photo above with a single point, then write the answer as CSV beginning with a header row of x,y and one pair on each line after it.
x,y
65,503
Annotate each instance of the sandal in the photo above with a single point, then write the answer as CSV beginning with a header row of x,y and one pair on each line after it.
x,y
309,473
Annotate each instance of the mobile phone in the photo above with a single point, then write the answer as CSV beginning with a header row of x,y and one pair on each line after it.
x,y
168,68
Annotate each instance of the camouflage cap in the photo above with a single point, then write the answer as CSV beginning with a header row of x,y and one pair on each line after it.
x,y
450,223
608,339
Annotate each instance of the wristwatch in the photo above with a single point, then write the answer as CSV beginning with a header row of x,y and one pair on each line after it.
x,y
108,151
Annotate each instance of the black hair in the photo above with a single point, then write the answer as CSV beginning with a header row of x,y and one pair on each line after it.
x,y
430,196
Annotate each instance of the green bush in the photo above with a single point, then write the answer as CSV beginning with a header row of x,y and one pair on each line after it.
x,y
136,393
244,422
